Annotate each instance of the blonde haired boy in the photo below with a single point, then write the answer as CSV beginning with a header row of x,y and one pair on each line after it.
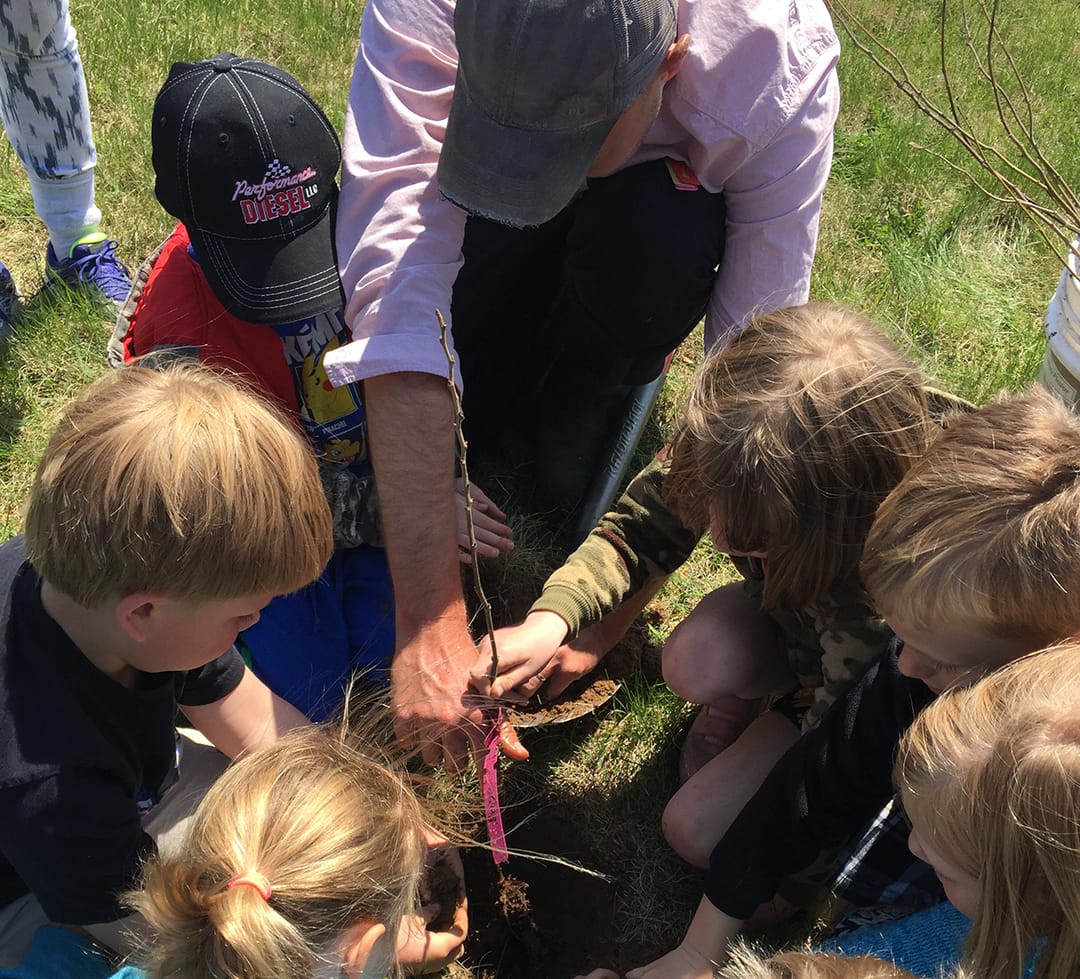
x,y
746,964
168,509
972,560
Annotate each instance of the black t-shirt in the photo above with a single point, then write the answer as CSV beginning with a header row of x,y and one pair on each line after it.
x,y
82,758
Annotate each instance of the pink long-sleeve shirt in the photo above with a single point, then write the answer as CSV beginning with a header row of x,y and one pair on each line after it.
x,y
751,111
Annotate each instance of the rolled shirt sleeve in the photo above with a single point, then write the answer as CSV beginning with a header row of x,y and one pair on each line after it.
x,y
398,239
773,207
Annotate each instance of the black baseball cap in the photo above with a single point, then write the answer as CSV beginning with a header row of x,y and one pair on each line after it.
x,y
247,160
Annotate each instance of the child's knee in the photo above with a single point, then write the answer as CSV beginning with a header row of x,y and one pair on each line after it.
x,y
682,831
692,657
681,661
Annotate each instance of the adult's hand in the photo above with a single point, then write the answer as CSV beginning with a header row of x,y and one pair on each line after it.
x,y
434,708
430,697
411,431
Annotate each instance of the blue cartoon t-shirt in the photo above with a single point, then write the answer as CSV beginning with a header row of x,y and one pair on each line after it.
x,y
334,420
333,417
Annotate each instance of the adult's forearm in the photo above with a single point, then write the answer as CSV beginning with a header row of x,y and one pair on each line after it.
x,y
410,426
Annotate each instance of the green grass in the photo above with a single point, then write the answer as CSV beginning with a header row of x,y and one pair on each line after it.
x,y
961,280
127,49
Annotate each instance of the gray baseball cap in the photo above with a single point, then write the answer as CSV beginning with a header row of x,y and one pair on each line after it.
x,y
540,83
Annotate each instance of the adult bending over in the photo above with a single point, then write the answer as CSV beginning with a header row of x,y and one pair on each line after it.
x,y
577,186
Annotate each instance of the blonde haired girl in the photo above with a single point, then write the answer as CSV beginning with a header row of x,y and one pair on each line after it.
x,y
990,778
304,860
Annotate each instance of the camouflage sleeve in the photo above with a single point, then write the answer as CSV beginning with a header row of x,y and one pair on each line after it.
x,y
638,540
849,637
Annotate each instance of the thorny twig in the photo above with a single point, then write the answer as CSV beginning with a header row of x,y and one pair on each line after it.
x,y
459,417
1034,184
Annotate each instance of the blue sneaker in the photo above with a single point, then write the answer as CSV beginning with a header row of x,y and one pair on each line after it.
x,y
9,300
91,265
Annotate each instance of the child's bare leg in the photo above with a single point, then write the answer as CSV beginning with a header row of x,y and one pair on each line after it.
x,y
725,647
724,655
699,814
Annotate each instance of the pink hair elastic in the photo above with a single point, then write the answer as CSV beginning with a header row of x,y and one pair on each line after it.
x,y
252,879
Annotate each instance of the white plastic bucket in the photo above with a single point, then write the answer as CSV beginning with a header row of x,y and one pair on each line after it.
x,y
1060,371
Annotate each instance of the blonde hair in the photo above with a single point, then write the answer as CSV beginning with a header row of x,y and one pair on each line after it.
x,y
984,528
338,837
990,777
793,435
747,964
177,481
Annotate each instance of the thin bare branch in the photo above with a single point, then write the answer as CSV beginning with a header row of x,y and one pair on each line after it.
x,y
1030,181
463,445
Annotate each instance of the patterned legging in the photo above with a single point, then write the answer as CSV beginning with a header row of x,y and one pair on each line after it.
x,y
46,115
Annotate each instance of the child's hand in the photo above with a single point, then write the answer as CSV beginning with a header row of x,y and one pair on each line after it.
x,y
600,974
442,886
431,940
682,962
420,951
578,658
532,655
525,651
701,951
493,534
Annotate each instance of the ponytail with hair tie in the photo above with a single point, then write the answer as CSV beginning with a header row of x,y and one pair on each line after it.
x,y
254,880
341,837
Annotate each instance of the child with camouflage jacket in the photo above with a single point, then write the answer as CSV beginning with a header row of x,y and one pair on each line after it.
x,y
793,435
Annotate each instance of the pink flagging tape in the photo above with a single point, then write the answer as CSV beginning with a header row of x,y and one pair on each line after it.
x,y
489,789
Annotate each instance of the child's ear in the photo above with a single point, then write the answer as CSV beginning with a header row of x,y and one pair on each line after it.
x,y
137,614
357,944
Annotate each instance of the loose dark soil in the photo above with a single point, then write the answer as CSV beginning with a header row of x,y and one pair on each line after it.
x,y
580,698
533,919
442,886
539,920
